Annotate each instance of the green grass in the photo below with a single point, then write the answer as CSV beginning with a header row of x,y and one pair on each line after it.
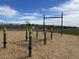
x,y
71,31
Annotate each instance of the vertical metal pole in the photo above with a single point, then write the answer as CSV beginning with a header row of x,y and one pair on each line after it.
x,y
30,42
45,37
4,38
26,34
37,34
61,23
44,30
43,22
51,33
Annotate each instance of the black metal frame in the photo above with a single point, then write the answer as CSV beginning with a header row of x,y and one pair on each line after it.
x,y
50,18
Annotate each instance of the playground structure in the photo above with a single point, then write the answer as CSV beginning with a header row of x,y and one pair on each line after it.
x,y
53,18
44,26
29,31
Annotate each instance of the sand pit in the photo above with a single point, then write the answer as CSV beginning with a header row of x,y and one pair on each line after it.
x,y
65,47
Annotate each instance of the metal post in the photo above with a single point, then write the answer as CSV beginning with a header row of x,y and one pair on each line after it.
x,y
45,37
44,30
62,24
26,34
37,34
30,42
51,33
4,38
44,21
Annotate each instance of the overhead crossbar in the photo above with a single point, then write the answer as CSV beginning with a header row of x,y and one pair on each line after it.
x,y
52,17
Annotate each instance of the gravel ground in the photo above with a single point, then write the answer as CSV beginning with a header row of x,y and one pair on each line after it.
x,y
60,47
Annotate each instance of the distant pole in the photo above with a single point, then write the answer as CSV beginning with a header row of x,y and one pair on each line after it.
x,y
44,30
61,23
26,33
43,21
37,33
4,38
51,33
45,36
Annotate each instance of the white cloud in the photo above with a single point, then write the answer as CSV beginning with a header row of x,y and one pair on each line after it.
x,y
28,19
71,5
16,22
1,21
36,14
8,11
43,9
71,12
33,14
22,18
37,22
25,17
70,9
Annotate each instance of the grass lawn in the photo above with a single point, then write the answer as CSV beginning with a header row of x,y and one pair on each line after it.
x,y
71,31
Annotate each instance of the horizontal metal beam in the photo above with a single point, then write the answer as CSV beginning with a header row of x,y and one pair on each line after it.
x,y
52,17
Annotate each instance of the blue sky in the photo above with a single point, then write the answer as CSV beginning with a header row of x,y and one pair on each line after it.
x,y
17,11
31,5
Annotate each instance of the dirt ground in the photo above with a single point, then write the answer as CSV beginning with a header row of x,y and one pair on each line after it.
x,y
60,47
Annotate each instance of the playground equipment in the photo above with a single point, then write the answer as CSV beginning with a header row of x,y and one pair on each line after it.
x,y
61,17
29,31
